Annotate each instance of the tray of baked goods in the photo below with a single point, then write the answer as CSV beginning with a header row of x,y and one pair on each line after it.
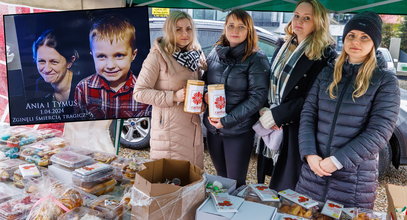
x,y
291,205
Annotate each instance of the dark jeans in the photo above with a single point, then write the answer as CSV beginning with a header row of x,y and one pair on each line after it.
x,y
231,155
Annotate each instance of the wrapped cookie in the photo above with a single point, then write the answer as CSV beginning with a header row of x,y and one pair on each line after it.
x,y
108,206
55,200
294,203
82,213
8,167
18,207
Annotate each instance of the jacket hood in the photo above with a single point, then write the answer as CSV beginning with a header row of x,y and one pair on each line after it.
x,y
231,53
157,47
381,62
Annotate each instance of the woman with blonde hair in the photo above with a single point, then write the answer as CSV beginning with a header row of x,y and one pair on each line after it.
x,y
236,62
174,58
348,117
306,50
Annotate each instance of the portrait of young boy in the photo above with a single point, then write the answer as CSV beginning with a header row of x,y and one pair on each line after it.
x,y
107,94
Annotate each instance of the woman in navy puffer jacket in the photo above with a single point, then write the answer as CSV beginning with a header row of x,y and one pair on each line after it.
x,y
348,117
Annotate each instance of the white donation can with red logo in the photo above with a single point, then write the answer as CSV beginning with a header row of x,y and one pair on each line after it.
x,y
193,96
217,100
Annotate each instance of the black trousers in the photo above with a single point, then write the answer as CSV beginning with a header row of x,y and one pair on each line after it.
x,y
264,165
231,155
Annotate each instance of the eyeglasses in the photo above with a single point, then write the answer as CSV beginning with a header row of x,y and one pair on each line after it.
x,y
302,18
232,27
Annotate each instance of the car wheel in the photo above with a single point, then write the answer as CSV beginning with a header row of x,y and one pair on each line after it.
x,y
384,160
135,133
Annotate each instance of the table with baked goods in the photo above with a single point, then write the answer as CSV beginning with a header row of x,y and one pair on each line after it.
x,y
42,176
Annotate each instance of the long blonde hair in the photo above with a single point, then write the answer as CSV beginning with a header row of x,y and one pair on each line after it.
x,y
320,38
362,79
169,41
252,39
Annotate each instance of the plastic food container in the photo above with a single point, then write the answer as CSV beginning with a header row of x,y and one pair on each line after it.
x,y
48,133
284,216
297,204
104,157
101,188
13,133
17,208
251,195
8,153
20,136
71,160
82,213
31,173
332,209
24,136
56,142
3,150
8,192
79,150
127,168
38,153
349,213
91,175
367,214
8,167
108,206
33,149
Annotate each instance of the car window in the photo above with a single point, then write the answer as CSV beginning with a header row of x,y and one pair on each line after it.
x,y
268,48
386,55
207,39
154,34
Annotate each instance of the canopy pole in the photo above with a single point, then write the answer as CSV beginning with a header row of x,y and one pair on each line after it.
x,y
117,131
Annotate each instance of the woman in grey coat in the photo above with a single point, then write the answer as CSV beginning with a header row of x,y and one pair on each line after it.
x,y
348,117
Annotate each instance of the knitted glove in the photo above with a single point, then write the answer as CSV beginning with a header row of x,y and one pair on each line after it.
x,y
267,120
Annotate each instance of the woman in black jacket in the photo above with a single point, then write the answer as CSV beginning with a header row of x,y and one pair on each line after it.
x,y
348,117
307,49
237,63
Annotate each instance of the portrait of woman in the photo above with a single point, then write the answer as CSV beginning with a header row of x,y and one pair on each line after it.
x,y
54,56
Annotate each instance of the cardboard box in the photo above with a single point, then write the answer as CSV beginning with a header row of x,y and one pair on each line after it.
x,y
396,198
156,200
253,210
229,184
